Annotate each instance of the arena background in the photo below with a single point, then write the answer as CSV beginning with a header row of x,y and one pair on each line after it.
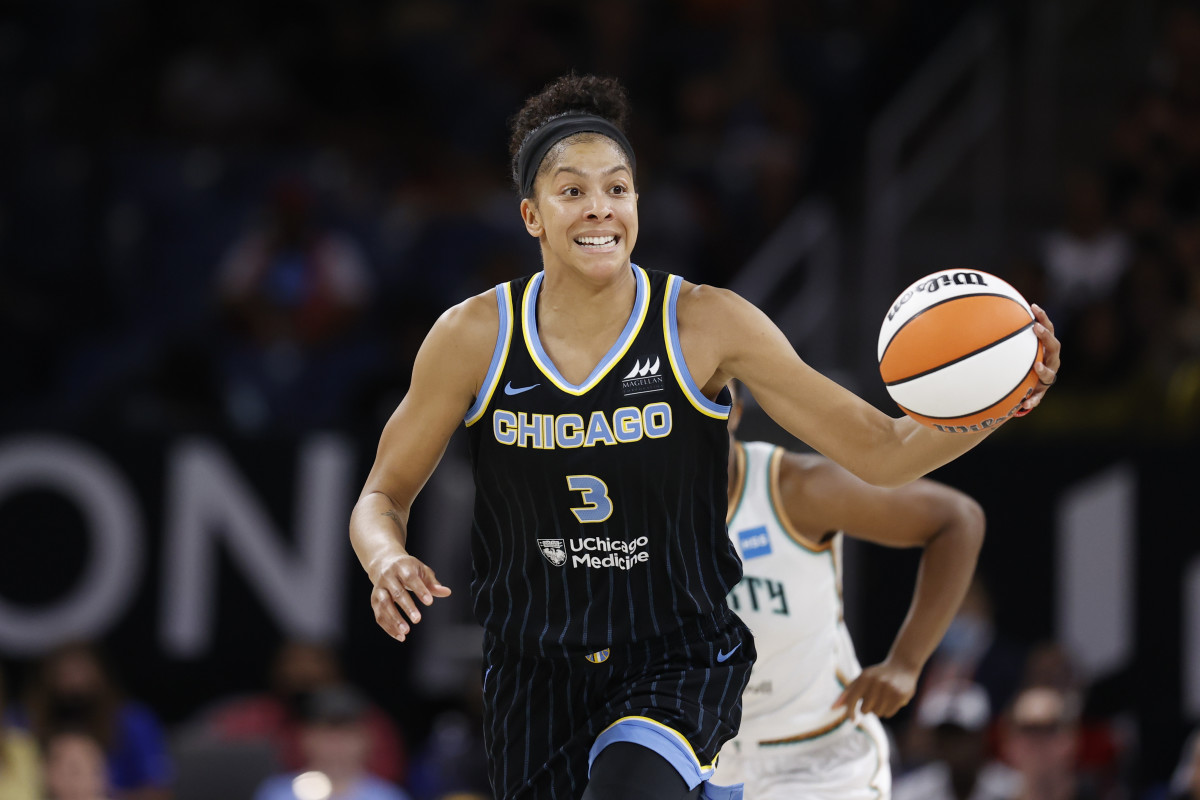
x,y
179,457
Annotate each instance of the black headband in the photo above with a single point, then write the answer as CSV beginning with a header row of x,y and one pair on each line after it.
x,y
540,140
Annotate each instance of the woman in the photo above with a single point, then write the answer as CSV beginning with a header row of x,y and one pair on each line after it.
x,y
20,771
74,691
593,398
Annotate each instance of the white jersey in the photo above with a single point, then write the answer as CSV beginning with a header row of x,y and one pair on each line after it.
x,y
792,744
790,596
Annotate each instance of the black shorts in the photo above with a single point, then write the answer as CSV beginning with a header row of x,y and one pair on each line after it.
x,y
546,717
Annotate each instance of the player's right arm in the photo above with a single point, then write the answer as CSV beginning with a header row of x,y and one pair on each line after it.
x,y
447,375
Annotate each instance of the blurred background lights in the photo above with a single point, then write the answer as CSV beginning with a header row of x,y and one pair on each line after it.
x,y
312,786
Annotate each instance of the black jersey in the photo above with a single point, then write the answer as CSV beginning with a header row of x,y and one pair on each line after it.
x,y
600,507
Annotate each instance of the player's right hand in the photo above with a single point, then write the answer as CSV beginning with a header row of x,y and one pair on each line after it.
x,y
883,689
396,584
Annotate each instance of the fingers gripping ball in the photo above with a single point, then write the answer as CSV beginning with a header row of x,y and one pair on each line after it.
x,y
957,349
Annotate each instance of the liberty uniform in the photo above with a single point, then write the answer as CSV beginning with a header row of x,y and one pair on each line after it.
x,y
601,561
792,743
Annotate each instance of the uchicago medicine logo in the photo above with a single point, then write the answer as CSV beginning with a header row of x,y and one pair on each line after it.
x,y
595,552
554,551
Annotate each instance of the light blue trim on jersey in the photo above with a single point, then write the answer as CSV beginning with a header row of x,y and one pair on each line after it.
x,y
713,792
662,739
675,352
499,355
641,303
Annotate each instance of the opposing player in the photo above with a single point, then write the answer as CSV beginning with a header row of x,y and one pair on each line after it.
x,y
593,397
810,715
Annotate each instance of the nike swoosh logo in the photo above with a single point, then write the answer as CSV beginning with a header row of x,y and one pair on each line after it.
x,y
508,388
722,656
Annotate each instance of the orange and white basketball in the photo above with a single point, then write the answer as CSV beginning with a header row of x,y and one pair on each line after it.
x,y
957,349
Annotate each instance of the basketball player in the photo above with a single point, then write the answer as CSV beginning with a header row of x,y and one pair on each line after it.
x,y
804,734
592,393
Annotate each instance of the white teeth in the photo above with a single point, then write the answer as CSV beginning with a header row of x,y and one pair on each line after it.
x,y
597,241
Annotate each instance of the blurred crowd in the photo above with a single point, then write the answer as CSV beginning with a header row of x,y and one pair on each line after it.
x,y
1120,274
227,217
233,219
993,719
76,733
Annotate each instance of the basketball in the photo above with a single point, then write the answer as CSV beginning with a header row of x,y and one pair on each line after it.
x,y
957,349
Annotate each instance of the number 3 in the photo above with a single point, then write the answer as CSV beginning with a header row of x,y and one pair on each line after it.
x,y
595,494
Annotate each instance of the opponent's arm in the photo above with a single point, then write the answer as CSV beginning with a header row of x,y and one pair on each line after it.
x,y
447,374
819,496
882,450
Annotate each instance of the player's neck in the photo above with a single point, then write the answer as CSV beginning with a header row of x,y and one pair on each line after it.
x,y
570,305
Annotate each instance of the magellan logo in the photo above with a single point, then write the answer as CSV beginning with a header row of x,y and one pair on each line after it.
x,y
643,377
639,371
555,551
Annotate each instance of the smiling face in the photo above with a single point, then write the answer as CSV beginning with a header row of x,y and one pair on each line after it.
x,y
584,208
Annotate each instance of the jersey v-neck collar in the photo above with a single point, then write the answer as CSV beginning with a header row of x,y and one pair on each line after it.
x,y
641,304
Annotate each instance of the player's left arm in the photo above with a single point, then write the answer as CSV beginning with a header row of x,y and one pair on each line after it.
x,y
723,336
820,496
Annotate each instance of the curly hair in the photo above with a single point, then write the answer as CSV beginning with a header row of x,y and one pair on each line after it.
x,y
591,94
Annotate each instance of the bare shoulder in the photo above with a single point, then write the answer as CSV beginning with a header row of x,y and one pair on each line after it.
x,y
818,496
698,300
726,319
807,485
716,326
460,344
475,320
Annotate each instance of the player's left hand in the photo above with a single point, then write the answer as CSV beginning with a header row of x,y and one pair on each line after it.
x,y
884,689
1047,368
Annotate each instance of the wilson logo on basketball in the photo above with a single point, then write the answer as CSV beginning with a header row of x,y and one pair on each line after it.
x,y
643,378
931,285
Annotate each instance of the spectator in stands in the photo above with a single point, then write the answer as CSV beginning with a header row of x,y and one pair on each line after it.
x,y
1099,745
225,87
75,690
1041,741
20,773
299,669
75,768
957,717
1086,257
974,651
290,278
292,290
334,740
